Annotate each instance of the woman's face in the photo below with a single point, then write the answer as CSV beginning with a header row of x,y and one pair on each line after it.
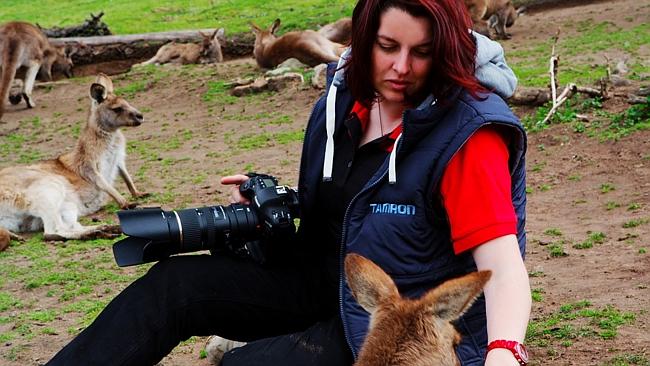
x,y
401,56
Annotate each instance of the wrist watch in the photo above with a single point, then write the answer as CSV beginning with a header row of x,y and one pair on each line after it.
x,y
517,349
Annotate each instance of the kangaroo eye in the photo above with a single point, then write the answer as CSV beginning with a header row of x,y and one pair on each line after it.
x,y
118,110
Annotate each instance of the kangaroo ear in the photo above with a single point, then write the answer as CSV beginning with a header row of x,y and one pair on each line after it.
x,y
370,285
68,50
274,27
451,299
98,92
219,33
105,81
255,28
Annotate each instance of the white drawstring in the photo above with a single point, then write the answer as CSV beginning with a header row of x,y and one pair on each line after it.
x,y
330,119
392,169
330,115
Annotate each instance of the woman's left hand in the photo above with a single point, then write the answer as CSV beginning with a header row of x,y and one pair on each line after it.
x,y
236,180
500,357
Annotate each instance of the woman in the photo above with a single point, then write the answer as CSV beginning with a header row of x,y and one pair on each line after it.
x,y
408,161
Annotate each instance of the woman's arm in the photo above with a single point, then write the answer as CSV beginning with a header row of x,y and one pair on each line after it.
x,y
507,294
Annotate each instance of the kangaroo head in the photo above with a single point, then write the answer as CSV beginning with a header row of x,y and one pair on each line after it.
x,y
58,57
264,37
109,111
211,45
510,14
406,331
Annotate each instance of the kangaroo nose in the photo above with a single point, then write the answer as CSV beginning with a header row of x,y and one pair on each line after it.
x,y
138,118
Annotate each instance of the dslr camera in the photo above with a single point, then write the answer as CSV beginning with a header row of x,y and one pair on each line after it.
x,y
245,230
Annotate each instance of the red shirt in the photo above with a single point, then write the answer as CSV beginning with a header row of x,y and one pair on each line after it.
x,y
476,193
475,187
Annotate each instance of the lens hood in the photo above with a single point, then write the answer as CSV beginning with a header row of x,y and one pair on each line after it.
x,y
150,223
150,236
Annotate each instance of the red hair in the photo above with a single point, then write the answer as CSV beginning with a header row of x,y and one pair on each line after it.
x,y
453,48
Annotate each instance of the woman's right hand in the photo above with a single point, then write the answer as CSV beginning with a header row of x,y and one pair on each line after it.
x,y
236,180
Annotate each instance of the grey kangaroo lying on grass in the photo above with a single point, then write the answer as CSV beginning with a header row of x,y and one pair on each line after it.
x,y
308,46
51,195
190,53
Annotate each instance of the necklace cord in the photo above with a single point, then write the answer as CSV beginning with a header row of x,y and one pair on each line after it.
x,y
381,125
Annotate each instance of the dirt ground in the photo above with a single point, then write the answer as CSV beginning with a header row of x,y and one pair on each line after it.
x,y
579,185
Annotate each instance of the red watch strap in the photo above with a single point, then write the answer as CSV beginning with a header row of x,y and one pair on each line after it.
x,y
517,349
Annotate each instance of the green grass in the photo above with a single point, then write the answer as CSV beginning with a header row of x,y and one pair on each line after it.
x,y
265,139
77,275
553,232
556,250
531,64
627,360
604,125
576,321
147,78
537,294
218,91
143,16
607,187
635,222
593,238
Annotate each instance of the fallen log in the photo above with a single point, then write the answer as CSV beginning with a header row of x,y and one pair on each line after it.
x,y
530,96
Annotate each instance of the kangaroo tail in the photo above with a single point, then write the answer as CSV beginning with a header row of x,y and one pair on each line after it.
x,y
10,54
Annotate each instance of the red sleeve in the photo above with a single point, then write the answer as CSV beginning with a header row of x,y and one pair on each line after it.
x,y
475,190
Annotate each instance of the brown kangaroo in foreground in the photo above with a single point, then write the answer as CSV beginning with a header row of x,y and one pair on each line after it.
x,y
208,51
23,44
409,332
53,194
339,31
497,14
308,46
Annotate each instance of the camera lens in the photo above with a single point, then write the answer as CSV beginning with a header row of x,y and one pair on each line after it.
x,y
155,234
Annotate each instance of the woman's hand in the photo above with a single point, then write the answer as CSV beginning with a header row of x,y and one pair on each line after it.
x,y
500,357
236,180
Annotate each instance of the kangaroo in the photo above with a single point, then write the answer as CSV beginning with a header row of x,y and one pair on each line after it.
x,y
497,14
409,332
52,194
308,46
339,32
23,44
208,51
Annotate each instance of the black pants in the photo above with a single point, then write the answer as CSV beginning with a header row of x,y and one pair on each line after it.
x,y
287,312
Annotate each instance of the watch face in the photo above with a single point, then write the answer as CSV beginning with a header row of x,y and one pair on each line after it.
x,y
522,352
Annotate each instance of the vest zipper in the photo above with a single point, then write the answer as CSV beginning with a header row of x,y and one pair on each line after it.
x,y
343,251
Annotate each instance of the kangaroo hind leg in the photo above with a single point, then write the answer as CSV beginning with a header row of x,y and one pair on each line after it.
x,y
28,86
60,217
64,225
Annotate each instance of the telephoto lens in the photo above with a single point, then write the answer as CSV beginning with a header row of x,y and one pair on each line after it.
x,y
155,234
244,230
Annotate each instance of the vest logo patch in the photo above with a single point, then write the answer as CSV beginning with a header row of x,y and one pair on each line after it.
x,y
392,209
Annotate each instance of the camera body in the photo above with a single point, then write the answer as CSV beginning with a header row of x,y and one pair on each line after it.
x,y
245,230
276,207
275,204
